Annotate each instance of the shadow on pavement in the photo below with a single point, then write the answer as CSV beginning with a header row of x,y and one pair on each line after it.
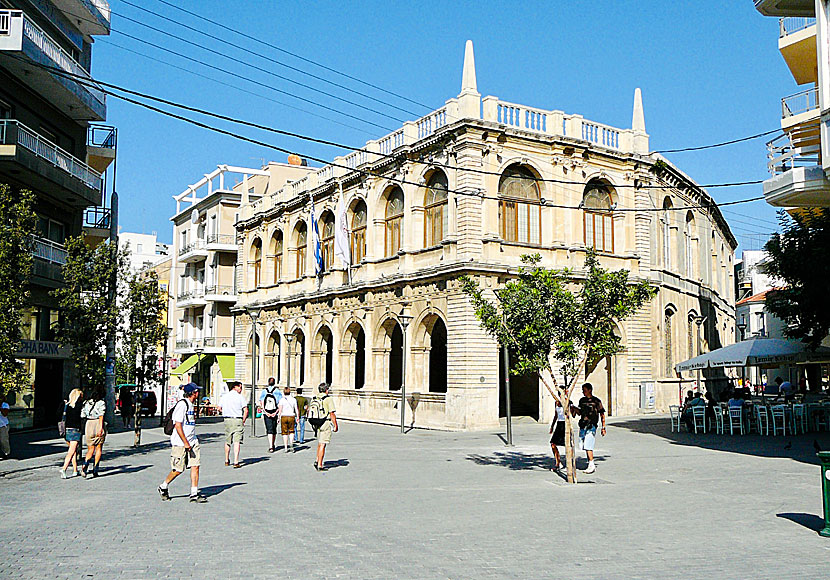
x,y
121,469
797,447
213,490
335,463
253,460
809,521
514,460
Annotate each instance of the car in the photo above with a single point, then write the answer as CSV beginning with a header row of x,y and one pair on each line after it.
x,y
149,404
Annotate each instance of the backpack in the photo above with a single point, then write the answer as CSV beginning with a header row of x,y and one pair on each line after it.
x,y
270,401
317,415
168,424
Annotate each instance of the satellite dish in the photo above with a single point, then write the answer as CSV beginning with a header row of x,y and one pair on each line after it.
x,y
194,216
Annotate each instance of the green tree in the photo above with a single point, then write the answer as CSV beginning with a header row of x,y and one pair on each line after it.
x,y
17,226
799,259
144,308
549,316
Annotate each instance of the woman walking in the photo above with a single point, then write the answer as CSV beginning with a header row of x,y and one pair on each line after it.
x,y
72,423
96,431
557,430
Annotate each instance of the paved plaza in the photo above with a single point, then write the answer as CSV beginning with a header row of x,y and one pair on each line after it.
x,y
427,504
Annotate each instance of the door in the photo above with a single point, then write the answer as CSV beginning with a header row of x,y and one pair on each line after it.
x,y
48,392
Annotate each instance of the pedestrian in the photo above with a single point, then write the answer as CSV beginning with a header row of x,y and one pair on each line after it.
x,y
590,412
302,410
288,418
329,425
234,409
269,399
5,448
125,396
184,445
95,430
72,424
557,431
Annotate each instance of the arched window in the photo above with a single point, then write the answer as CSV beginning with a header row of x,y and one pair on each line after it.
x,y
256,263
358,235
276,255
666,225
519,210
688,234
669,343
599,222
302,244
249,358
396,358
394,221
297,351
327,232
435,206
691,336
438,358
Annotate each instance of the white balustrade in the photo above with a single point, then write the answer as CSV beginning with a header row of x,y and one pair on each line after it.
x,y
526,118
601,134
431,123
391,142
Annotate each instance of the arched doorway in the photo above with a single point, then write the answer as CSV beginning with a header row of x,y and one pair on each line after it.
x,y
272,356
396,358
360,360
298,355
352,365
524,391
438,357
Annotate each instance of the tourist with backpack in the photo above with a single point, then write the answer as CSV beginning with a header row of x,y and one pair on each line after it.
x,y
324,422
288,418
590,411
180,424
269,400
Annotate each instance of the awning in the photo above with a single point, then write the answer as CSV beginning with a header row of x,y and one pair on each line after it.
x,y
186,365
227,366
755,352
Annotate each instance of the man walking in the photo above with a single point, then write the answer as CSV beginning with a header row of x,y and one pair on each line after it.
x,y
288,418
5,448
590,412
302,407
235,411
269,399
185,445
327,428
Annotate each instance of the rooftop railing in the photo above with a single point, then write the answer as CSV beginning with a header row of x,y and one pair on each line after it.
x,y
799,103
793,24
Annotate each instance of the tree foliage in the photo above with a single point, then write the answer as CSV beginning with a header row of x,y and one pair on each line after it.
x,y
88,301
800,258
17,226
144,308
545,316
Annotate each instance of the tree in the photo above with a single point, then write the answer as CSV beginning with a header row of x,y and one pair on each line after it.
x,y
144,308
798,256
17,226
546,316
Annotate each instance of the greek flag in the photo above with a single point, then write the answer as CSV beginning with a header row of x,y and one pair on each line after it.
x,y
315,243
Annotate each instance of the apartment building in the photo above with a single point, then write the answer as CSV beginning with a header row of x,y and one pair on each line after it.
x,y
799,160
145,249
51,144
469,189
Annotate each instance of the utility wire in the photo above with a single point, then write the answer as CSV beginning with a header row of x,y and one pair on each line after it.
x,y
224,26
731,142
266,57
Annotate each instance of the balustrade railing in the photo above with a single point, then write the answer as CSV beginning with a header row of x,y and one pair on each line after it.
x,y
221,290
391,142
782,155
429,124
192,246
793,24
48,250
601,134
521,117
799,103
218,341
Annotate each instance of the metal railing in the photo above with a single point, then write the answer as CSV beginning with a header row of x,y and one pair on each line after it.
x,y
799,103
197,245
16,133
97,217
5,23
103,8
782,155
221,239
219,341
101,136
48,250
793,24
220,290
194,293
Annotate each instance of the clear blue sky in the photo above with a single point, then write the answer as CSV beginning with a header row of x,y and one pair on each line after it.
x,y
709,71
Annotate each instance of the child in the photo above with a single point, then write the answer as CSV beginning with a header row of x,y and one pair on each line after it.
x,y
557,430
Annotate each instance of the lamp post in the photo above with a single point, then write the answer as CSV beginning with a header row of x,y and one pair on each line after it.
x,y
165,377
199,350
253,312
289,338
405,318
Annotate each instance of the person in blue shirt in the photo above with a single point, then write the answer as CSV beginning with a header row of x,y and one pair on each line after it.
x,y
269,399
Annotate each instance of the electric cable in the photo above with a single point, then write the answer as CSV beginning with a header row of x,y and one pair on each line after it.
x,y
723,143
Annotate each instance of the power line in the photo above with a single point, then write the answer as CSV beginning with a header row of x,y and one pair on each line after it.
x,y
731,142
266,57
224,26
756,218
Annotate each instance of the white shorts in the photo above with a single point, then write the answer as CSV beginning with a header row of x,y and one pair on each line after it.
x,y
587,437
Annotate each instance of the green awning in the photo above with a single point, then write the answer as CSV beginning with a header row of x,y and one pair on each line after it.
x,y
227,366
186,365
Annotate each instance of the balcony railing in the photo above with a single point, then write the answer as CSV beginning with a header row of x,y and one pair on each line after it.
x,y
197,245
194,293
218,341
97,217
48,251
799,103
215,289
782,155
101,136
103,7
221,239
16,133
793,24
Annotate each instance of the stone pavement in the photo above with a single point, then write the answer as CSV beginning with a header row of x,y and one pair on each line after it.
x,y
425,505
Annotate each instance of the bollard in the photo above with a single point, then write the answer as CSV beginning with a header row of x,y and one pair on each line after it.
x,y
824,457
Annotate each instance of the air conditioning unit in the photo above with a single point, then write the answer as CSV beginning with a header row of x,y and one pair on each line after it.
x,y
225,345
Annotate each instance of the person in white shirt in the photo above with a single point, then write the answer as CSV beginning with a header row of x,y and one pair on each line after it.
x,y
234,408
185,446
289,415
5,448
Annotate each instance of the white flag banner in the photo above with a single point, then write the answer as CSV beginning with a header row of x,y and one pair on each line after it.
x,y
341,232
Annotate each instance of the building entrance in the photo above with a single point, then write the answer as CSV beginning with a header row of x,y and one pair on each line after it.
x,y
48,392
524,392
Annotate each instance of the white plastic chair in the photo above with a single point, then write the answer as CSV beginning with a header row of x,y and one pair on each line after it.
x,y
674,411
762,419
799,418
736,419
719,426
699,417
779,419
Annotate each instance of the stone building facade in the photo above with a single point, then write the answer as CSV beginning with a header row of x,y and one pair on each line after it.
x,y
469,189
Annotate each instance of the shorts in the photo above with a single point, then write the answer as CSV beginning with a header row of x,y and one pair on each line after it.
x,y
588,436
287,424
180,459
72,434
324,433
270,424
91,437
234,430
558,437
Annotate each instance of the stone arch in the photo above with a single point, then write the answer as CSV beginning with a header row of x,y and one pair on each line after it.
x,y
435,199
296,358
598,215
358,218
392,206
299,247
353,355
273,355
520,210
388,353
322,354
276,251
255,263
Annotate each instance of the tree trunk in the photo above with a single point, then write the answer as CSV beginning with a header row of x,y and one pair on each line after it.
x,y
570,454
137,408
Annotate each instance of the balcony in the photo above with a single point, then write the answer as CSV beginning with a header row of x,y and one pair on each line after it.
x,y
798,179
46,164
797,43
191,298
90,16
210,345
216,343
193,252
800,113
786,7
50,258
100,146
23,38
96,224
217,293
221,243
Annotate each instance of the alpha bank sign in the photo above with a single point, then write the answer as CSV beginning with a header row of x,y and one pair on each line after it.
x,y
41,349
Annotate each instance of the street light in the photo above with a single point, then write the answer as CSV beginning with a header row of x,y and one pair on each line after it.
x,y
253,312
404,318
199,350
